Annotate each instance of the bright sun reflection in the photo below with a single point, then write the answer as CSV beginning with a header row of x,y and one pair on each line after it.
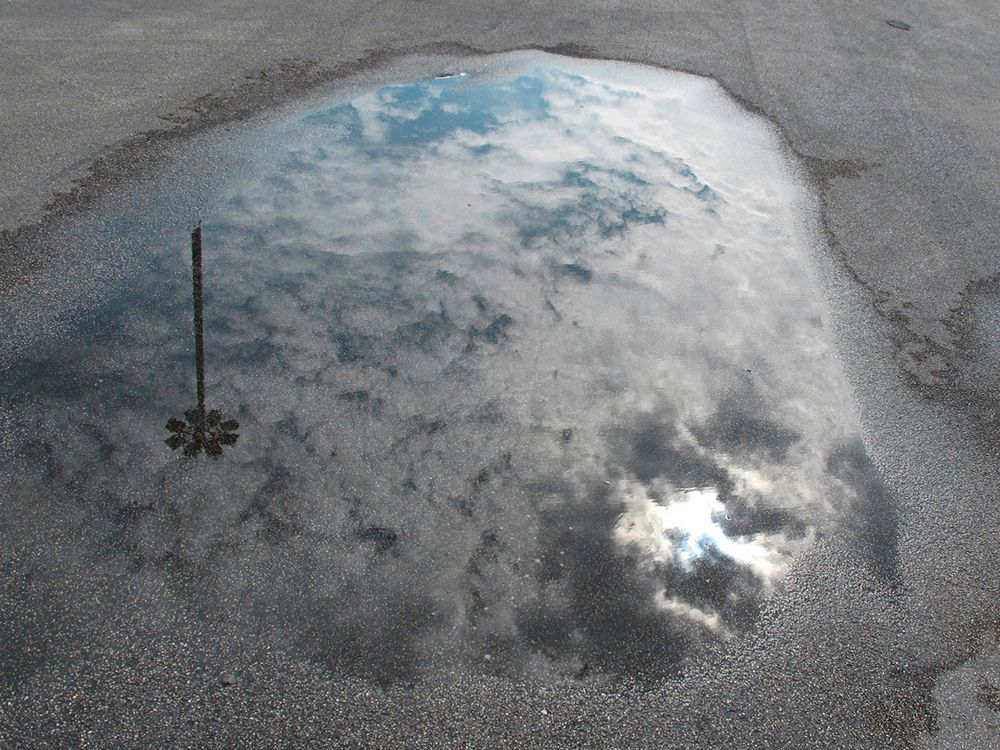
x,y
684,526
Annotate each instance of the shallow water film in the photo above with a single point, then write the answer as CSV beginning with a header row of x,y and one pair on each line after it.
x,y
519,371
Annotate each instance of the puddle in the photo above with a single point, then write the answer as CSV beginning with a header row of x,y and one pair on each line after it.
x,y
517,368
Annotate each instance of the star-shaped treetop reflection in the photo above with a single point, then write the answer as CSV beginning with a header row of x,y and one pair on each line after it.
x,y
200,431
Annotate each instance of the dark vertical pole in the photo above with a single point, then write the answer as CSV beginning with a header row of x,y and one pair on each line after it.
x,y
199,322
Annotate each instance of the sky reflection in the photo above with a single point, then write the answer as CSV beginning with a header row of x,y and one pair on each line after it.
x,y
528,370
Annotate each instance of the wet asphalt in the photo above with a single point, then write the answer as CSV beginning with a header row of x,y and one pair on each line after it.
x,y
894,123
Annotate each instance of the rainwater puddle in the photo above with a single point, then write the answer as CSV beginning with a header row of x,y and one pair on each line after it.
x,y
518,370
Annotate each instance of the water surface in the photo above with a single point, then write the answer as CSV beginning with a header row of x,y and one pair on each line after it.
x,y
528,369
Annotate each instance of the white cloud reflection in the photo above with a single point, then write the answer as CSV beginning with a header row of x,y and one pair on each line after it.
x,y
686,524
528,365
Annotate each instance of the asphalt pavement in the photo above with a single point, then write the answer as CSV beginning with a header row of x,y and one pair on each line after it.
x,y
891,109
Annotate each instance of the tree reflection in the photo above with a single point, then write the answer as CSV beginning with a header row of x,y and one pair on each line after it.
x,y
200,430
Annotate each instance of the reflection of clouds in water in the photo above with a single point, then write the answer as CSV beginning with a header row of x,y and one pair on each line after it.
x,y
528,369
684,525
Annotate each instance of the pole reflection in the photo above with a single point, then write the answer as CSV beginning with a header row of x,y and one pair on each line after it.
x,y
201,430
